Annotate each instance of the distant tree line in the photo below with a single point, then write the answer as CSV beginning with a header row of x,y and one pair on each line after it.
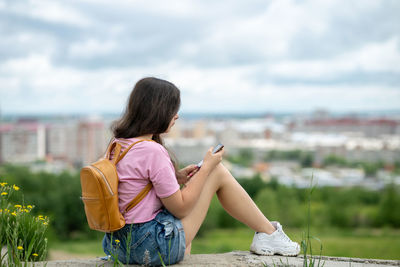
x,y
305,158
330,207
245,157
370,168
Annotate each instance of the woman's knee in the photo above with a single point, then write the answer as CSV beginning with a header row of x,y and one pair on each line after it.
x,y
220,174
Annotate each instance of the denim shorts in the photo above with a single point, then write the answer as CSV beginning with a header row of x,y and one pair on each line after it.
x,y
159,241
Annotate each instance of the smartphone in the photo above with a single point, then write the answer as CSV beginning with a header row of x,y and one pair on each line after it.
x,y
216,149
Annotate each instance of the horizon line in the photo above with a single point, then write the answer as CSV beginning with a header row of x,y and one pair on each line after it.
x,y
205,113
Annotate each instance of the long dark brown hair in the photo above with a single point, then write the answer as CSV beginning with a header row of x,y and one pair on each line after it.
x,y
151,106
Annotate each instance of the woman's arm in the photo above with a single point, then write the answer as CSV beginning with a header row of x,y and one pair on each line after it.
x,y
182,201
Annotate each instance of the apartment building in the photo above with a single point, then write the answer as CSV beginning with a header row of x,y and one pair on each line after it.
x,y
23,141
73,142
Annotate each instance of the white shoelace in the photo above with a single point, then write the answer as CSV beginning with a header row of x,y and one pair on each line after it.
x,y
285,236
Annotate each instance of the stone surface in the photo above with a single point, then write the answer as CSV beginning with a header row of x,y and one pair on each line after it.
x,y
240,258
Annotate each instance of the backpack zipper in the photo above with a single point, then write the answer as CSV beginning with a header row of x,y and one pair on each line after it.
x,y
104,178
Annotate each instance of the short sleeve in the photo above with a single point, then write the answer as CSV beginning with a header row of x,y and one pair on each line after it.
x,y
162,173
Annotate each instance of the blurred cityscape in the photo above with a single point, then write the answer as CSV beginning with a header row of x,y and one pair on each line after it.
x,y
337,150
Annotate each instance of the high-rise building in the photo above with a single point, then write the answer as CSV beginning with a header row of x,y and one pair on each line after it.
x,y
91,141
23,141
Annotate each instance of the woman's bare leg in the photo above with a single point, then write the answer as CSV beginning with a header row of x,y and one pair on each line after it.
x,y
233,198
188,249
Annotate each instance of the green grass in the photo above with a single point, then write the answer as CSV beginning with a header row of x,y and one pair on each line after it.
x,y
359,243
79,247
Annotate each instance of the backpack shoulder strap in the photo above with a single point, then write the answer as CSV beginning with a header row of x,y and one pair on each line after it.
x,y
146,189
117,146
139,197
129,147
117,149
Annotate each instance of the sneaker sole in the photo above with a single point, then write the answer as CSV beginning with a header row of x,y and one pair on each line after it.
x,y
264,252
267,252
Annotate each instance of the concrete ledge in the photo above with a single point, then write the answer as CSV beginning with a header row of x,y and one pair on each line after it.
x,y
239,258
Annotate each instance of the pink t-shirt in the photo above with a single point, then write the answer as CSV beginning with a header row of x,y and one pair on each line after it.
x,y
145,162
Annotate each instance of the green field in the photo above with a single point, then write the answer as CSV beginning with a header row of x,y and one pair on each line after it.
x,y
364,243
360,243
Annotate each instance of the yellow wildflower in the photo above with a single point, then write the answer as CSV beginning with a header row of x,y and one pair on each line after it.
x,y
117,241
26,210
3,184
20,248
30,207
41,218
14,213
16,188
4,193
18,206
1,210
35,255
45,223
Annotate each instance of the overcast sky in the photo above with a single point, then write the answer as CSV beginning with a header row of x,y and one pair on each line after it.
x,y
225,56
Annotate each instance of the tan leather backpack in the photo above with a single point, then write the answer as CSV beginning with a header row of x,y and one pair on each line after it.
x,y
99,183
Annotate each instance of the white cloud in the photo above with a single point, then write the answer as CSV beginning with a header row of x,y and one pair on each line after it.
x,y
270,32
53,11
381,57
157,7
33,63
225,56
92,47
203,90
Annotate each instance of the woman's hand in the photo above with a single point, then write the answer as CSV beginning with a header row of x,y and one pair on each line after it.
x,y
211,160
186,173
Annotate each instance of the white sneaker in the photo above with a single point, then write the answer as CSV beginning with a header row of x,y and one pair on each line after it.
x,y
276,243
